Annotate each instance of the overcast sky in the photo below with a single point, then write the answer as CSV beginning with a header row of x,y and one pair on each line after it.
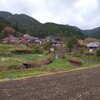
x,y
84,14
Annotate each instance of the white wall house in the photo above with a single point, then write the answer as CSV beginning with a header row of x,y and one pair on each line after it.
x,y
93,46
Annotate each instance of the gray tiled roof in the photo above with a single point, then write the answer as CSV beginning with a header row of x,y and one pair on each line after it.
x,y
93,44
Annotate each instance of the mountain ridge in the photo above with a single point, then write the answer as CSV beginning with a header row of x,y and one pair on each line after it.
x,y
93,33
20,20
27,24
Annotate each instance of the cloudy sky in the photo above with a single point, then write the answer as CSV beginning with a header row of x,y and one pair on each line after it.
x,y
84,14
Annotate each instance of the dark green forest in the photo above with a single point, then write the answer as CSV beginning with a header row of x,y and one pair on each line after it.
x,y
3,23
56,30
26,24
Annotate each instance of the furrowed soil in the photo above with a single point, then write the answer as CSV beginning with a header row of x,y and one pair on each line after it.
x,y
76,85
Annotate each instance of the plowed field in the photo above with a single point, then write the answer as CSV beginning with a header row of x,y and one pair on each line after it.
x,y
76,85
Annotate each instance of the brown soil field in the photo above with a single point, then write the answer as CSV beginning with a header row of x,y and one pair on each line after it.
x,y
76,85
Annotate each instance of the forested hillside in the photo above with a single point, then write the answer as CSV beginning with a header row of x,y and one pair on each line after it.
x,y
94,33
3,23
27,24
56,30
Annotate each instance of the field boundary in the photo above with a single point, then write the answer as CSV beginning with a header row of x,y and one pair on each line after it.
x,y
48,74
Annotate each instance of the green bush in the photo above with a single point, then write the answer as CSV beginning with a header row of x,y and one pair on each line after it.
x,y
46,52
88,53
98,52
20,50
38,49
12,76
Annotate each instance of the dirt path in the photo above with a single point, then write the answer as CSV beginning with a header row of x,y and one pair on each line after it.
x,y
77,85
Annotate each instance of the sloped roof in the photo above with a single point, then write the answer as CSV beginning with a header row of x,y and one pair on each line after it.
x,y
93,44
30,37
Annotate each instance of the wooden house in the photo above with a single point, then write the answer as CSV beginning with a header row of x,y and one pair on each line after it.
x,y
93,46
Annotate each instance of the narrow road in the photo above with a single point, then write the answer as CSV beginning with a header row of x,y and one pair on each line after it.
x,y
77,85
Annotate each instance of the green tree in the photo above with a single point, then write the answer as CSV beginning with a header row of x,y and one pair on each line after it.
x,y
38,49
47,45
16,27
72,43
6,31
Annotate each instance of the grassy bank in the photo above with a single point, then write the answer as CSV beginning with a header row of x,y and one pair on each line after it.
x,y
58,65
55,67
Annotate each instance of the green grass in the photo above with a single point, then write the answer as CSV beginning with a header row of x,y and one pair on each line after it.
x,y
18,59
19,74
5,47
13,60
63,64
58,65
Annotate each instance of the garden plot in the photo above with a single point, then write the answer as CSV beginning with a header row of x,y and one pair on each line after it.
x,y
18,59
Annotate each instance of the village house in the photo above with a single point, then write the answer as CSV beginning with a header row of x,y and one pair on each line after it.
x,y
38,41
30,38
54,41
10,40
50,38
93,47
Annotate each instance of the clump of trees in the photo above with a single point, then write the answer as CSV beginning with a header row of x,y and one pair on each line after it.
x,y
72,44
6,31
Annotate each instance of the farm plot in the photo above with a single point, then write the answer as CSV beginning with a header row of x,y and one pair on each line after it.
x,y
77,85
18,59
9,61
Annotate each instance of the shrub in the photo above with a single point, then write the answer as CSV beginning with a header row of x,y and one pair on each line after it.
x,y
47,45
46,52
98,52
21,50
38,49
81,51
12,76
88,53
